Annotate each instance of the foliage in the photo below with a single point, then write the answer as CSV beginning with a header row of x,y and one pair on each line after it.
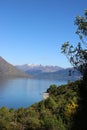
x,y
78,55
78,58
54,113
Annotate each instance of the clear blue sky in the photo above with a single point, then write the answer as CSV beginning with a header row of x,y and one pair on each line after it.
x,y
33,31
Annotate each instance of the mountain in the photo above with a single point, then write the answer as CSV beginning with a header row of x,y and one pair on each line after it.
x,y
58,75
50,72
38,67
8,70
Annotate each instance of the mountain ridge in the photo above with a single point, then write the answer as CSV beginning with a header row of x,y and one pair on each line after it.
x,y
8,70
37,71
50,72
43,68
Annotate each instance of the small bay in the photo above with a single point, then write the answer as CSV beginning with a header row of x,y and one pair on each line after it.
x,y
23,92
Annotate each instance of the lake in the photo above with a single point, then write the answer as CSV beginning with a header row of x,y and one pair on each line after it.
x,y
21,92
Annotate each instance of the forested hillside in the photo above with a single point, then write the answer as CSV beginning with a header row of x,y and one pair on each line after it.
x,y
55,113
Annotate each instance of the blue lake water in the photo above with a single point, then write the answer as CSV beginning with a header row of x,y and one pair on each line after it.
x,y
21,92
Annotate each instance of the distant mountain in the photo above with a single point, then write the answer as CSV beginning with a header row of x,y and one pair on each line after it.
x,y
8,70
50,72
58,75
38,67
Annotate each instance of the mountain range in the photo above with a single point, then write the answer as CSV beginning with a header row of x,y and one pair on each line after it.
x,y
37,71
8,70
38,67
50,72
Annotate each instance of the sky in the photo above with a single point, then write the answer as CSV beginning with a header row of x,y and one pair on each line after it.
x,y
33,31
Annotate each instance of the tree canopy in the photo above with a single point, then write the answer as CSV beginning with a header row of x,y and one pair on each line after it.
x,y
78,55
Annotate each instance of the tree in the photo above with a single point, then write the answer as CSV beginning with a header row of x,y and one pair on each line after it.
x,y
78,55
78,58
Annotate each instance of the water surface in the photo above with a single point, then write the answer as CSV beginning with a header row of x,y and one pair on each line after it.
x,y
20,92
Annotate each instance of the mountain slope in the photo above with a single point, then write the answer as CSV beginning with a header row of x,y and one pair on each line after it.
x,y
8,70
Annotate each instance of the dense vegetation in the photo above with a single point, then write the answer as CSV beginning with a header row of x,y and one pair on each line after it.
x,y
55,113
78,58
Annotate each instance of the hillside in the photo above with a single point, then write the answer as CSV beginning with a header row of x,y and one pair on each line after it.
x,y
8,70
57,112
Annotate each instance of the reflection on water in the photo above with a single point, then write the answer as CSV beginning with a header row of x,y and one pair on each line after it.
x,y
15,93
